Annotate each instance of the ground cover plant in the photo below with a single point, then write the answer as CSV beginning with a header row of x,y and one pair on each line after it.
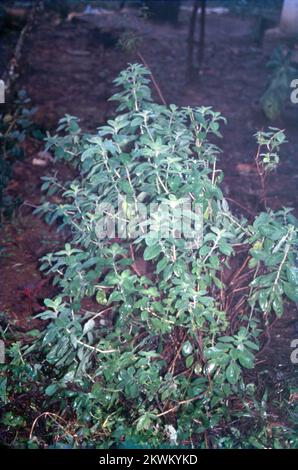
x,y
153,340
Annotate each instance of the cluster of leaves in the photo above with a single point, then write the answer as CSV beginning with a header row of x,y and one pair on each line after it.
x,y
18,381
14,126
277,93
162,355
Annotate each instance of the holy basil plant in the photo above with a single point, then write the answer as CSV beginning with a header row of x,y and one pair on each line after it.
x,y
156,329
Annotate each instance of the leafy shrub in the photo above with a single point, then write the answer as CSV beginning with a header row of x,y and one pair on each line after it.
x,y
14,126
276,94
165,354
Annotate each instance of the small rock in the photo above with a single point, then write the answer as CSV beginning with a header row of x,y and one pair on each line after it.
x,y
39,162
42,159
246,168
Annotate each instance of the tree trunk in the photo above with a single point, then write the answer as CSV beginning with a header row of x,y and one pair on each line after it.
x,y
191,39
202,34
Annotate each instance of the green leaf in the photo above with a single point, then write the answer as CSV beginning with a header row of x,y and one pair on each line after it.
x,y
263,299
144,422
187,348
225,248
278,305
292,274
291,291
226,339
189,361
152,252
51,389
89,325
233,372
3,388
33,333
246,359
161,265
101,297
251,345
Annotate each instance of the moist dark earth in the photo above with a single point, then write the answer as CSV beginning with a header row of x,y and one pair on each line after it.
x,y
68,67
